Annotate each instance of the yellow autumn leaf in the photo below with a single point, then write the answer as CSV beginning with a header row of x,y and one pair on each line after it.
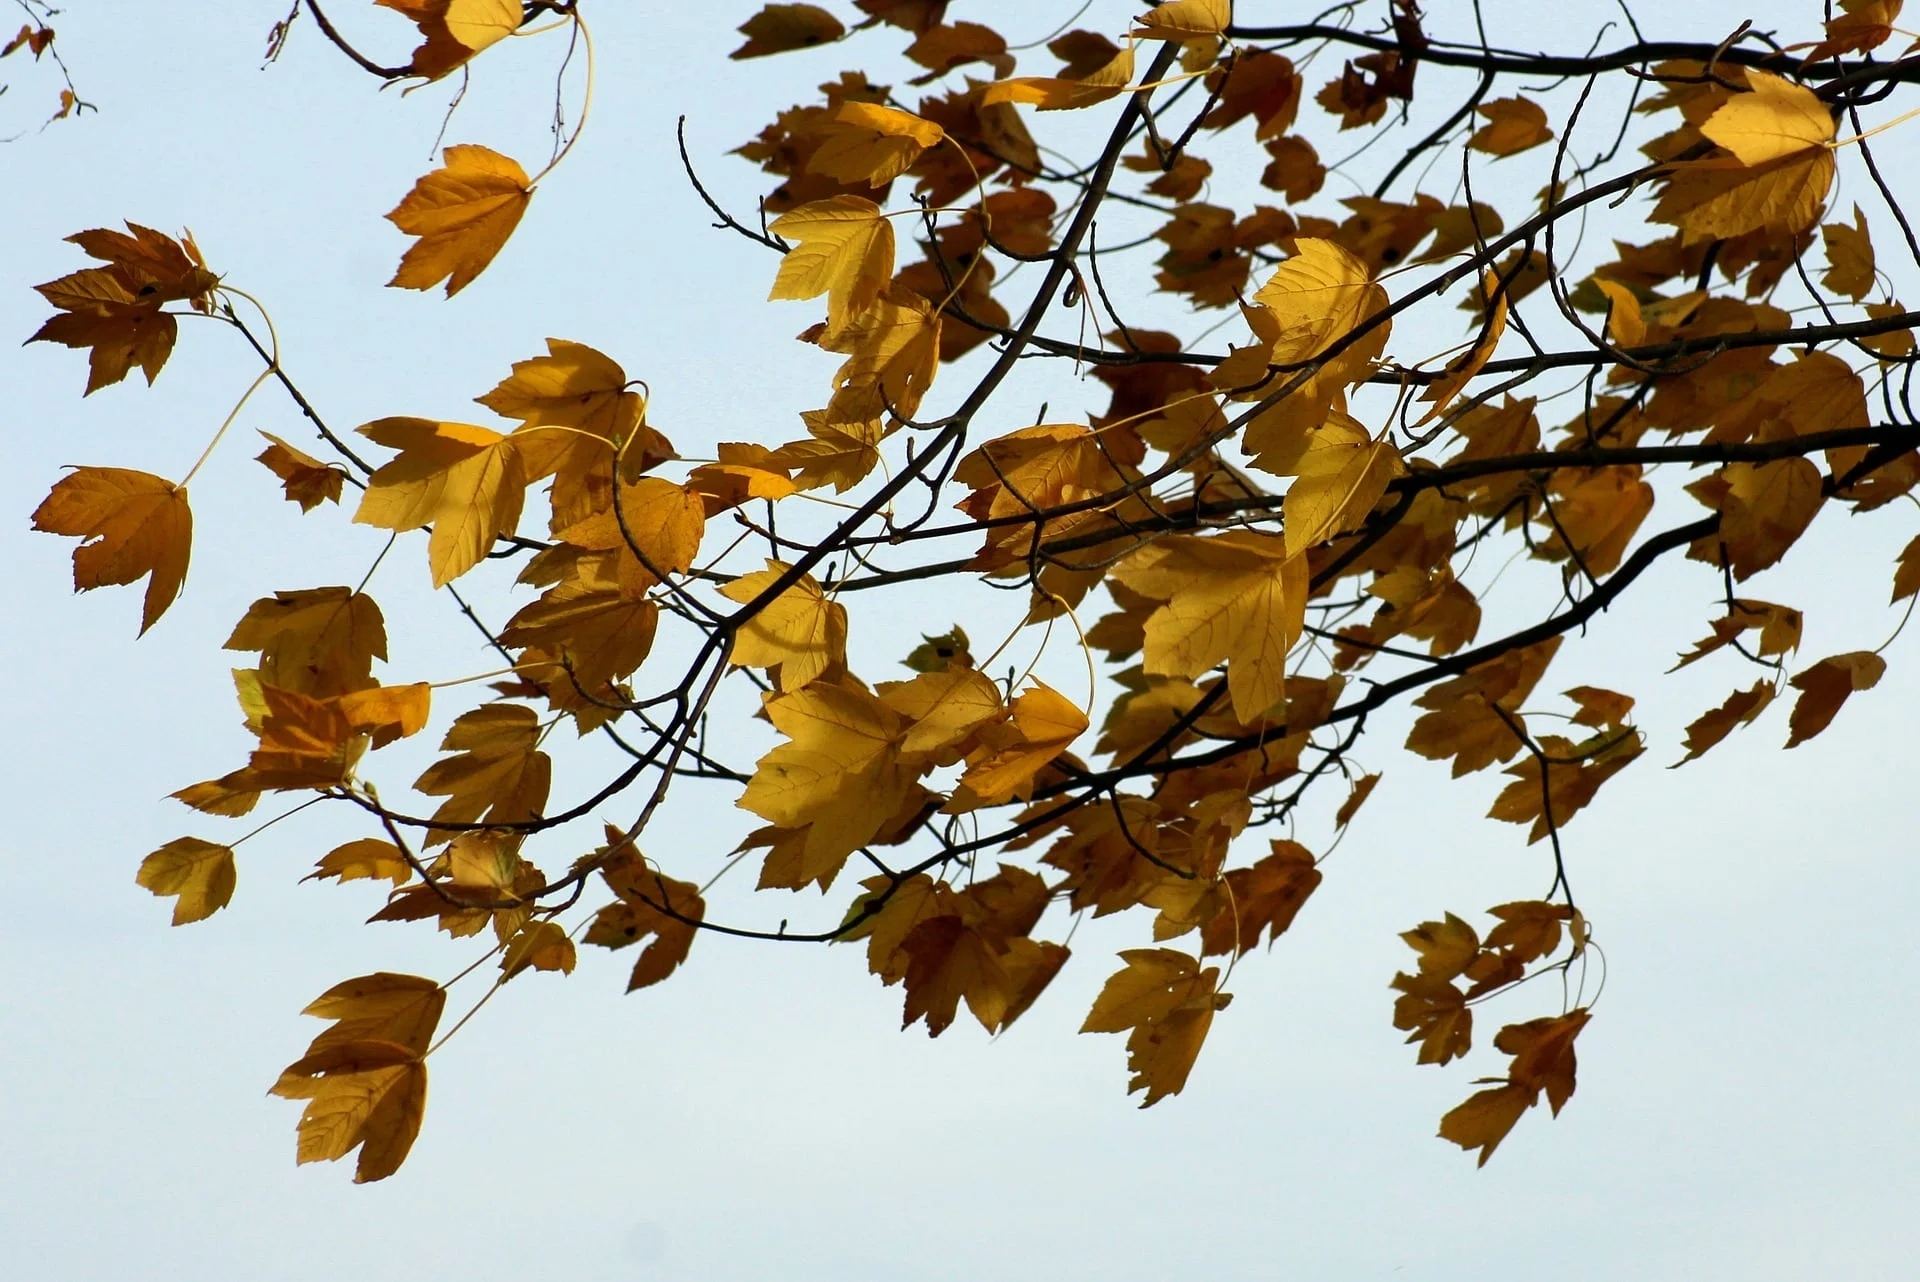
x,y
1462,369
1625,325
133,525
845,252
1167,1002
307,480
366,1095
1185,20
497,771
198,874
463,214
1058,93
800,631
455,30
1236,597
1342,474
1850,268
366,858
573,386
1776,118
464,481
893,352
1043,723
945,707
873,144
838,772
1513,125
778,28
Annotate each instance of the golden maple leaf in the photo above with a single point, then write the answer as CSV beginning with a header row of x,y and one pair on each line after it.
x,y
455,30
199,874
1237,598
845,252
466,482
463,214
1167,1002
132,525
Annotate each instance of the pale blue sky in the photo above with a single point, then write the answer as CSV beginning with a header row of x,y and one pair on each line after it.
x,y
1744,1110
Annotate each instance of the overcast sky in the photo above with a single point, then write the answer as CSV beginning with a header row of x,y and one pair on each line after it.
x,y
1745,1105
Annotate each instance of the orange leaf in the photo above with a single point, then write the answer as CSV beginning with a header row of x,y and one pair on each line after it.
x,y
463,215
135,525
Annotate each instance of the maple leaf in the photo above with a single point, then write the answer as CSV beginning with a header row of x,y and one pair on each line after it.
x,y
368,857
1825,686
307,480
1168,1002
1341,475
873,144
1513,125
596,634
1266,896
1433,1012
199,874
1906,574
116,310
577,413
399,1009
1779,628
1474,718
466,482
893,352
1849,257
1062,93
1741,707
651,904
1625,324
1861,25
845,252
1573,774
1236,597
1445,947
1774,118
839,771
1042,724
1185,20
366,1095
132,525
778,28
455,31
320,641
947,705
498,772
801,632
1780,136
364,1078
1486,1118
539,945
463,214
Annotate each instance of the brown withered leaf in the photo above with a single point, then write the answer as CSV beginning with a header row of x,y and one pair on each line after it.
x,y
1826,686
307,480
779,28
1741,707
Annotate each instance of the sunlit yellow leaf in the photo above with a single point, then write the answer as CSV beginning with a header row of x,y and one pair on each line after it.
x,y
463,214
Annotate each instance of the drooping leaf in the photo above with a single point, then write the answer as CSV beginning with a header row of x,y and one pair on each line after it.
x,y
463,214
198,874
132,525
